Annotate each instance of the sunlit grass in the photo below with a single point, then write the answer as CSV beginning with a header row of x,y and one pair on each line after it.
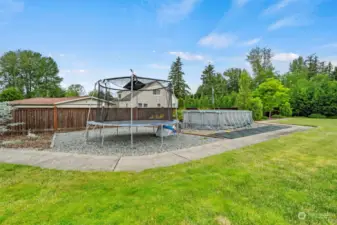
x,y
268,183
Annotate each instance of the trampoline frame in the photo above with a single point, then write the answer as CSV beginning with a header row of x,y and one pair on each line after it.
x,y
132,123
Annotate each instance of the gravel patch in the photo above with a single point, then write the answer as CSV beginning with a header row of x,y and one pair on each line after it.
x,y
145,142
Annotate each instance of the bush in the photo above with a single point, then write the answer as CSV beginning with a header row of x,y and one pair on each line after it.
x,y
285,110
256,107
265,118
276,116
10,94
317,116
179,113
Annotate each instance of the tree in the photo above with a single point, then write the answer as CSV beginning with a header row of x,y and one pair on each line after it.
x,y
333,75
93,93
260,61
232,77
285,109
10,94
298,65
272,94
208,82
245,95
75,90
329,69
256,106
9,70
313,66
31,73
176,76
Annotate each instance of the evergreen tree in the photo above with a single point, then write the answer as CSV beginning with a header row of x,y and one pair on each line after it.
x,y
176,76
232,77
208,79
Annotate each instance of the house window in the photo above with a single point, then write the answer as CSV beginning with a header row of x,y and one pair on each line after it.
x,y
126,105
158,105
140,105
119,95
145,105
156,92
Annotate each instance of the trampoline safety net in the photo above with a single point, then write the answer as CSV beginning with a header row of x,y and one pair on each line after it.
x,y
217,119
149,99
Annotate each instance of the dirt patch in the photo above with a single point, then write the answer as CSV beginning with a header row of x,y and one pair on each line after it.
x,y
42,141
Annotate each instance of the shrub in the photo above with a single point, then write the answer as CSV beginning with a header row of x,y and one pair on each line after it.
x,y
6,118
179,113
265,118
256,107
285,110
317,116
10,94
276,116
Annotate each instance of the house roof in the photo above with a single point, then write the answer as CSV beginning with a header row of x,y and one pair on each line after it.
x,y
45,101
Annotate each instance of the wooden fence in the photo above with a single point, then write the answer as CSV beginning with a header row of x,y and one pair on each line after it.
x,y
63,119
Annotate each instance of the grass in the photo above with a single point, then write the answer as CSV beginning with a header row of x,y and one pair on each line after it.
x,y
268,183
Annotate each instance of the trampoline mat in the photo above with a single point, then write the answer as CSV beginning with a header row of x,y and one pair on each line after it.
x,y
135,123
247,132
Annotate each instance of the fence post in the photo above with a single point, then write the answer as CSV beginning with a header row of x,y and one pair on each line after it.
x,y
55,118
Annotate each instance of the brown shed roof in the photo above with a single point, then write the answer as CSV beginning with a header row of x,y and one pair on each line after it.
x,y
44,101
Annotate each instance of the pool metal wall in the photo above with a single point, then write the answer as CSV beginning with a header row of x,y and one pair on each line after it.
x,y
217,119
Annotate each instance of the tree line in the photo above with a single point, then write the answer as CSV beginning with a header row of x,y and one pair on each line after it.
x,y
308,87
27,74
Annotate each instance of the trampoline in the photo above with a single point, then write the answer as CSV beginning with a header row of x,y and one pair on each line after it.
x,y
138,123
133,101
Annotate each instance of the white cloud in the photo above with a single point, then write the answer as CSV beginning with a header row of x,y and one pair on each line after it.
x,y
77,71
159,67
278,6
331,45
176,11
241,3
285,57
216,40
251,42
11,6
62,55
332,59
188,56
288,22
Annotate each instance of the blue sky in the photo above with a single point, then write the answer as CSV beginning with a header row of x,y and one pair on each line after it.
x,y
91,40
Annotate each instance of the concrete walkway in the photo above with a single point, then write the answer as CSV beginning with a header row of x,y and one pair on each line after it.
x,y
70,161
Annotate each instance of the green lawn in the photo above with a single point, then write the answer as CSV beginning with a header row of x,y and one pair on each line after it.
x,y
268,183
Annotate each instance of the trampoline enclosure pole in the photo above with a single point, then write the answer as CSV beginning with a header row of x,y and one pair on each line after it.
x,y
131,116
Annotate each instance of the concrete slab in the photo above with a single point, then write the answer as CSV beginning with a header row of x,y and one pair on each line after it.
x,y
139,163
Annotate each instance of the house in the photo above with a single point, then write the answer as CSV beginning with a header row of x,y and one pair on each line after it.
x,y
66,102
152,95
